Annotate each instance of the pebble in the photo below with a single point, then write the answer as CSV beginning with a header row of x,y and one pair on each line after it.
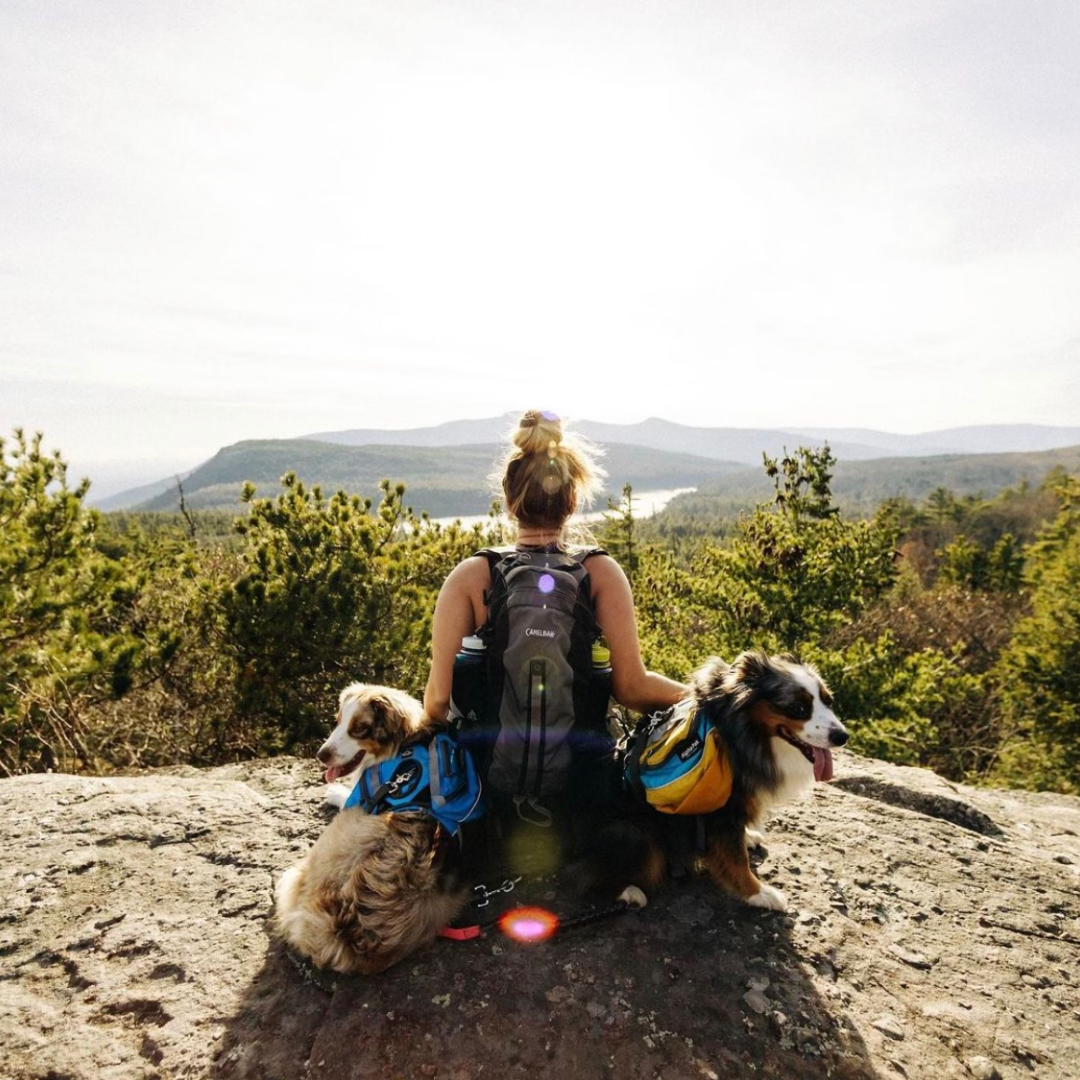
x,y
757,1001
889,1025
913,959
982,1068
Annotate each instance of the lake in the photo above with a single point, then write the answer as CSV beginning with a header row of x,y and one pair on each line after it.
x,y
646,503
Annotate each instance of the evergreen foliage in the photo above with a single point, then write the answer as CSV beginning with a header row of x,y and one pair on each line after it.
x,y
328,593
948,628
796,570
66,635
1039,672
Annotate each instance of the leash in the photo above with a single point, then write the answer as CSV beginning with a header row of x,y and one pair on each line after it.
x,y
527,924
467,933
481,899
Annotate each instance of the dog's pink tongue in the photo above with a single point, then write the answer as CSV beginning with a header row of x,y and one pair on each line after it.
x,y
335,771
823,769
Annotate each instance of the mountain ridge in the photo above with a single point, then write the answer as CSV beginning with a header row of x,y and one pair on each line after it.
x,y
743,445
447,465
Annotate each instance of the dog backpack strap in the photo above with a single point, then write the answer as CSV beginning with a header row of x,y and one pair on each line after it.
x,y
438,773
636,745
368,792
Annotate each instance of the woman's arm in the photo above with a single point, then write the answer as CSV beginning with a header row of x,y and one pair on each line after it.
x,y
459,610
632,685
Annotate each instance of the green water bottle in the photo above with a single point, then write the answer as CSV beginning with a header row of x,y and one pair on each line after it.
x,y
600,684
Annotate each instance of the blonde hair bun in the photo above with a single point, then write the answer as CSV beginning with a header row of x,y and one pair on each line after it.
x,y
538,432
548,473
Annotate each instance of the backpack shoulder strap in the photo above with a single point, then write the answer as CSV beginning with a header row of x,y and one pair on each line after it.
x,y
581,554
497,554
494,554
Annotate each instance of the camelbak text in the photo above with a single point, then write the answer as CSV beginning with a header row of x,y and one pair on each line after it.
x,y
530,632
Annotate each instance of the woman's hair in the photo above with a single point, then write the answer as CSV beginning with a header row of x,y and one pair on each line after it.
x,y
548,474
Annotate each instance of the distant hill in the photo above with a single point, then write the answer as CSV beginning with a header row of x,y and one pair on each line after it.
x,y
445,467
861,486
444,481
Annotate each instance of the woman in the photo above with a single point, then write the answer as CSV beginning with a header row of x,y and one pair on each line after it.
x,y
546,476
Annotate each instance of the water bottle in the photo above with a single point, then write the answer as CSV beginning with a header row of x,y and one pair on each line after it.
x,y
468,693
596,778
600,684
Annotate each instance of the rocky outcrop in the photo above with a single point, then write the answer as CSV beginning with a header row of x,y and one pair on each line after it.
x,y
934,932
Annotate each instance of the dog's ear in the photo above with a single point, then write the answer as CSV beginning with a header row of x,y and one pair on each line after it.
x,y
750,667
387,723
707,682
745,677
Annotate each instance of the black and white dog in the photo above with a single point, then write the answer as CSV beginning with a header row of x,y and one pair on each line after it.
x,y
778,728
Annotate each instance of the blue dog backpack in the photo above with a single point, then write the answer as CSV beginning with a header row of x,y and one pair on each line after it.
x,y
435,776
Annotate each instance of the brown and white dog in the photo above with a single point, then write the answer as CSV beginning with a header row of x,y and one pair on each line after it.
x,y
777,724
372,723
373,888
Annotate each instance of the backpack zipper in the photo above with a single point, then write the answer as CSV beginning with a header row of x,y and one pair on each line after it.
x,y
537,702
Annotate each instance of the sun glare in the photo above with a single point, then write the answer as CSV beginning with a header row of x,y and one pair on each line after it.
x,y
528,924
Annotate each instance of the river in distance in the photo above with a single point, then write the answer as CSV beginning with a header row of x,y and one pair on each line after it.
x,y
646,503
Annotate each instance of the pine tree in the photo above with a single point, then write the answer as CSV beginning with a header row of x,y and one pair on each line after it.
x,y
1039,673
60,638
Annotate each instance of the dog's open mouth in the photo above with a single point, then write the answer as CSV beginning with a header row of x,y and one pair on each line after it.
x,y
336,771
820,759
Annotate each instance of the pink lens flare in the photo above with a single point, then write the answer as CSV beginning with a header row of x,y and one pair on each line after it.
x,y
528,924
545,583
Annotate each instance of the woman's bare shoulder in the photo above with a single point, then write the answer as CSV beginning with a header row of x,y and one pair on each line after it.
x,y
470,571
603,568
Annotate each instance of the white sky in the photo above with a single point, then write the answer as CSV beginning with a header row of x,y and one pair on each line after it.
x,y
224,220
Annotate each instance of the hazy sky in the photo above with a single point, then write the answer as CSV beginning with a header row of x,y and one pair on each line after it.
x,y
224,220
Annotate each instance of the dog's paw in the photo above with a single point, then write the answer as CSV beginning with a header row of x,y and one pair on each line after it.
x,y
755,838
769,898
633,897
336,794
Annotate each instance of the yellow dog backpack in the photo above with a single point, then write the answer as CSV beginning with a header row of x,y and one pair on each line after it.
x,y
677,761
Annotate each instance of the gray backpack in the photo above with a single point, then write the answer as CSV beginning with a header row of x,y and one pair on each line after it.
x,y
547,704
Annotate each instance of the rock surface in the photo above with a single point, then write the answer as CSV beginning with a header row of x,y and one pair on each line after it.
x,y
933,932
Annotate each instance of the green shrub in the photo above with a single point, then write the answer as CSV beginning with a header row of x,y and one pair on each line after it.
x,y
64,643
328,593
